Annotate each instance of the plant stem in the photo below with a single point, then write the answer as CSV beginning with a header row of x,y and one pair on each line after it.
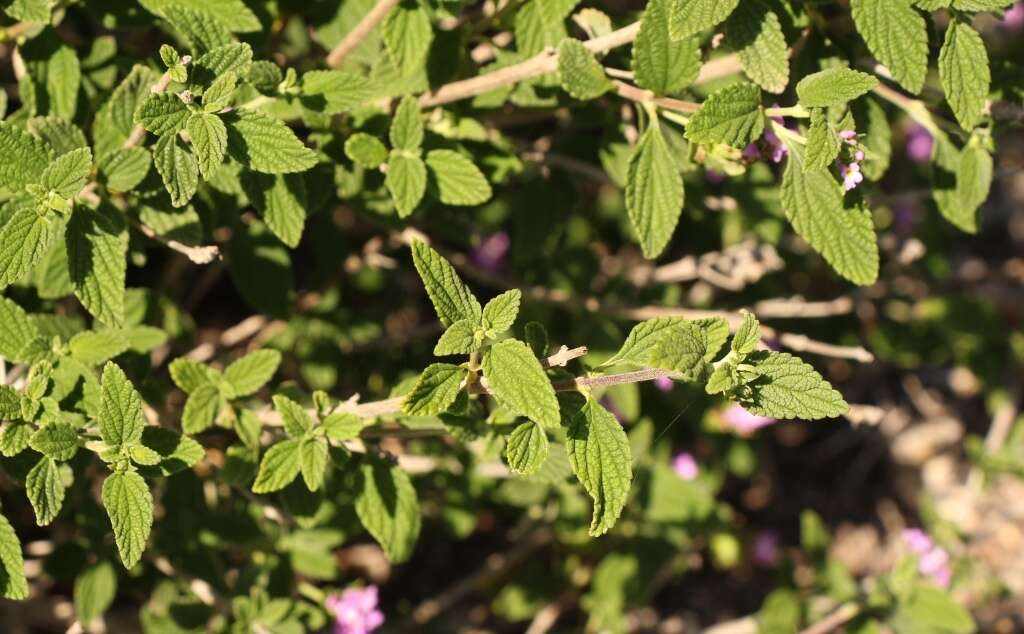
x,y
356,36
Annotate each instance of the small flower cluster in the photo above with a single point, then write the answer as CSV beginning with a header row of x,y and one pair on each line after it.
x,y
933,559
355,611
776,149
685,466
852,176
743,422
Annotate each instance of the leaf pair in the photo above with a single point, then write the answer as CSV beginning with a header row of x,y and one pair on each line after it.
x,y
210,390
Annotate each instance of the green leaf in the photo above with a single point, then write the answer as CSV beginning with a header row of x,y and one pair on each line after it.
x,y
25,239
341,426
13,584
189,375
176,451
218,95
540,24
33,157
61,135
755,33
646,337
600,458
126,168
97,249
406,180
458,181
313,454
387,506
580,73
501,312
964,70
29,10
45,490
177,167
94,591
747,335
69,173
251,372
897,35
872,121
973,183
57,440
451,297
233,14
334,91
16,330
14,438
279,466
834,87
296,420
981,5
10,403
200,409
518,381
787,387
93,348
931,609
407,35
823,142
54,69
163,114
845,237
266,144
654,191
406,132
660,64
129,505
209,141
120,416
365,150
235,57
143,455
526,448
690,17
732,116
459,338
435,390
281,200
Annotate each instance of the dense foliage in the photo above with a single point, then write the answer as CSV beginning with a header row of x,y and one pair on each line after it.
x,y
224,224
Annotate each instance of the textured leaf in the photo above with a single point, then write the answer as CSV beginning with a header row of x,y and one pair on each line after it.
x,y
13,584
654,192
14,438
33,157
755,33
406,131
218,95
451,297
129,505
56,72
872,121
235,57
690,17
459,338
57,440
16,330
45,490
540,24
580,73
252,371
281,200
279,466
661,64
97,248
406,180
266,144
209,141
314,462
823,143
233,14
732,116
747,335
24,240
200,32
435,390
177,167
517,379
897,35
962,182
342,426
600,458
981,5
389,509
189,375
964,70
526,448
335,91
29,10
296,420
407,35
845,237
458,181
200,409
125,169
60,135
786,387
501,312
120,416
176,451
162,114
365,150
833,87
95,589
68,174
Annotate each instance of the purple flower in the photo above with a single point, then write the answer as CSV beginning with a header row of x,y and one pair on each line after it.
x,y
490,254
778,148
355,610
685,466
852,176
664,383
933,560
766,549
1013,19
919,144
743,422
714,177
752,152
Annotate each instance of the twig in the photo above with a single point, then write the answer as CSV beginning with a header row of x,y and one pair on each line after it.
x,y
628,91
14,31
358,34
203,254
838,618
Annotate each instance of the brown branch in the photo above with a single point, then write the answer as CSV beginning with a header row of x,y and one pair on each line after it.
x,y
631,92
356,36
203,254
837,619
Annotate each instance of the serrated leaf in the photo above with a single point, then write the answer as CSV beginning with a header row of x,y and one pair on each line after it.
x,y
451,297
501,312
25,239
690,17
200,409
176,451
845,237
789,388
526,448
579,71
314,462
61,135
341,426
540,24
459,338
125,168
833,87
177,167
406,180
129,505
823,142
388,507
13,584
279,466
458,181
281,200
94,590
68,174
365,150
747,335
517,379
209,141
654,192
407,34
120,416
189,375
144,456
266,144
14,438
296,420
218,95
981,5
93,348
964,71
233,14
45,490
732,116
660,64
54,69
435,390
897,35
29,10
755,33
334,91
962,182
16,330
33,157
600,457
97,248
406,131
10,403
162,114
57,440
234,57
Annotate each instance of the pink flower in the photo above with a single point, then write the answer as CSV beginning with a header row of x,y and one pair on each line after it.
x,y
1013,19
743,422
852,176
714,177
919,144
766,549
752,152
490,254
778,148
685,466
664,383
933,560
355,610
